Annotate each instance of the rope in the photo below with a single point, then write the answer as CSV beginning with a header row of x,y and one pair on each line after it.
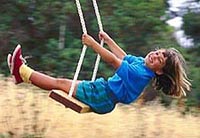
x,y
96,9
80,13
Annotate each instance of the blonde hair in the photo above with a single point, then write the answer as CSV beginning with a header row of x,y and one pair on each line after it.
x,y
174,80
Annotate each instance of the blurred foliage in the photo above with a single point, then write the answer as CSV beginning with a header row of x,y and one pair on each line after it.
x,y
135,25
192,29
192,26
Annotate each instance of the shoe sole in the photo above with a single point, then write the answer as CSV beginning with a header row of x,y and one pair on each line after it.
x,y
9,60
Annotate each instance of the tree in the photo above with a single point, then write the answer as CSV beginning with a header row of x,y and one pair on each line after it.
x,y
192,26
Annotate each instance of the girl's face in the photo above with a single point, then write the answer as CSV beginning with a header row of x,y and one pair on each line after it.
x,y
156,60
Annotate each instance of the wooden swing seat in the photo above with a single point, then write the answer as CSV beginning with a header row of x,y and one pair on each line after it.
x,y
70,102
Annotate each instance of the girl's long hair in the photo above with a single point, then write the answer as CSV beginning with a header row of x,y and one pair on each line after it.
x,y
174,80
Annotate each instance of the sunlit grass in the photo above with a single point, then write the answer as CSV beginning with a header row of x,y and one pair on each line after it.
x,y
26,111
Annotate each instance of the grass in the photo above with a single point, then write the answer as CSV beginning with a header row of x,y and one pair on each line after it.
x,y
27,112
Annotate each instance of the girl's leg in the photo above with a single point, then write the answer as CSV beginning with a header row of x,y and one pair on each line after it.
x,y
48,83
22,73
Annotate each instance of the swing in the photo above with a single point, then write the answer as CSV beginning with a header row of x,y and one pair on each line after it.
x,y
66,99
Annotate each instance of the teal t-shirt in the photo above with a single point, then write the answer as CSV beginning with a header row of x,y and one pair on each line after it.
x,y
130,79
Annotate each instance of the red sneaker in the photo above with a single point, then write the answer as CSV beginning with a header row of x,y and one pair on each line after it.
x,y
16,63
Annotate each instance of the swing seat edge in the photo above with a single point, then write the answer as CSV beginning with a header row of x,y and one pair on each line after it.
x,y
67,101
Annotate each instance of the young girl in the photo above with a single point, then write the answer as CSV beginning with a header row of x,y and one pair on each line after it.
x,y
164,66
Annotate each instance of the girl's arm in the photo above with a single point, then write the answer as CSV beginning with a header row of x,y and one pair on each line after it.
x,y
120,53
106,55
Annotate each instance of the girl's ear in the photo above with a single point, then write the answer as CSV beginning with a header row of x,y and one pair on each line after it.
x,y
159,72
